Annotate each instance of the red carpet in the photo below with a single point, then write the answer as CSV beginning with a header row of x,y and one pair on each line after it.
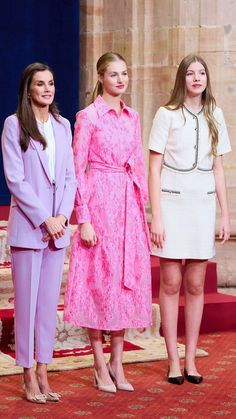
x,y
153,396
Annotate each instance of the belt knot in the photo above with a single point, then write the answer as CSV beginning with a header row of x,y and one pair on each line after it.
x,y
128,168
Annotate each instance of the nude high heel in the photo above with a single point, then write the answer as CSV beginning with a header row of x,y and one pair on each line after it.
x,y
34,398
110,388
50,396
120,386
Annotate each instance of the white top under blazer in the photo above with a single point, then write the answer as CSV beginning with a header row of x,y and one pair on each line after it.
x,y
46,129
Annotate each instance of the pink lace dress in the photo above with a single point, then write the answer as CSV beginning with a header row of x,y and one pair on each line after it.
x,y
109,285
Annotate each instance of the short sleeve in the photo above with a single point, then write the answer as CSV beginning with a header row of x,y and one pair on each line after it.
x,y
160,131
223,145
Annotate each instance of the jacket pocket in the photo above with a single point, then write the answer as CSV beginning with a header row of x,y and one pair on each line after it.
x,y
209,193
171,192
170,195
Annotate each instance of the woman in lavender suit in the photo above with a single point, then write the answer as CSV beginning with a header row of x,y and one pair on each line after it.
x,y
39,170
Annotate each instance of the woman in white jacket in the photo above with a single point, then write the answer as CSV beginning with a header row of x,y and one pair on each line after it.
x,y
187,141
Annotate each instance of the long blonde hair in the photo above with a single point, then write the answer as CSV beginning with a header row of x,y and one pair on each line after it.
x,y
102,65
176,100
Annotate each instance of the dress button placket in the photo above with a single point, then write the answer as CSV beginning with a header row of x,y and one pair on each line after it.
x,y
197,139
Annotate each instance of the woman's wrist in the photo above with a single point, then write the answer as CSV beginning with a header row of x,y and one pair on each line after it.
x,y
156,216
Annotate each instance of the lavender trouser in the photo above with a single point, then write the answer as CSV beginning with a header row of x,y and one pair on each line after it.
x,y
37,279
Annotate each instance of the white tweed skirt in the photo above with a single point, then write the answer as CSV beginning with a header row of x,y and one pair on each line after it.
x,y
188,205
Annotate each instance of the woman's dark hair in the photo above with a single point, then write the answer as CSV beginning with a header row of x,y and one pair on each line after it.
x,y
25,114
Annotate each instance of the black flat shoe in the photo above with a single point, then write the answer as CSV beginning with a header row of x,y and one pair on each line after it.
x,y
194,379
175,380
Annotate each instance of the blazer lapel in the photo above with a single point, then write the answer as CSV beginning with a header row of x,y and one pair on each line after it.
x,y
42,156
58,130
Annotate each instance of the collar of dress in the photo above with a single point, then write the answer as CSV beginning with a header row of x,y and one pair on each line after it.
x,y
102,107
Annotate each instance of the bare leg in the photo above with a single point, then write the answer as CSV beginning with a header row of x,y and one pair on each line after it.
x,y
44,384
30,381
117,343
95,337
42,377
115,365
171,277
194,278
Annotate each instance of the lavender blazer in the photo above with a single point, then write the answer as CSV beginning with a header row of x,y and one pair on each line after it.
x,y
34,197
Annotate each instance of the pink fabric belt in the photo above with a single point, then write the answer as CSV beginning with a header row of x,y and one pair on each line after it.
x,y
130,231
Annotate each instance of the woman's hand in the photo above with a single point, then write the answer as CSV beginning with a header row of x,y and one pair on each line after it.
x,y
224,229
157,232
55,227
88,235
